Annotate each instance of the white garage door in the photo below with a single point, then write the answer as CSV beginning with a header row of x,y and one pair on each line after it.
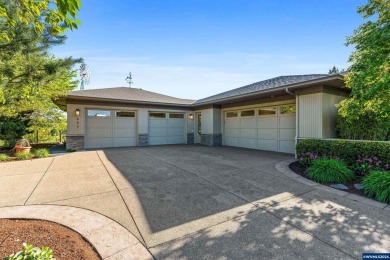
x,y
166,128
266,128
110,128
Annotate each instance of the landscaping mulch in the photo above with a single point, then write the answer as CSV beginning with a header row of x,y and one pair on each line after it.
x,y
299,169
65,243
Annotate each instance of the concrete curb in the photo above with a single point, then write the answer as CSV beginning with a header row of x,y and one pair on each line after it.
x,y
283,168
111,240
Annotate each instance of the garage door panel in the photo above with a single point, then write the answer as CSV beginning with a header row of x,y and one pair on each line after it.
x,y
264,133
287,121
95,123
175,122
124,123
123,133
248,133
248,143
232,132
176,139
267,122
176,131
158,123
99,133
287,134
231,141
158,131
249,122
269,145
157,140
123,142
98,143
287,146
232,123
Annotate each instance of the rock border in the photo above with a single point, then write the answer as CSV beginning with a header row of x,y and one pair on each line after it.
x,y
283,168
111,240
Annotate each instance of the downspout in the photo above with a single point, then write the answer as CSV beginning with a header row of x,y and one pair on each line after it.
x,y
296,116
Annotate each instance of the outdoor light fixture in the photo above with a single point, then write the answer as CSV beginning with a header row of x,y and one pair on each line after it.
x,y
191,116
77,112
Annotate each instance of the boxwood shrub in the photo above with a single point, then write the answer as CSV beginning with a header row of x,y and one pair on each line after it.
x,y
346,150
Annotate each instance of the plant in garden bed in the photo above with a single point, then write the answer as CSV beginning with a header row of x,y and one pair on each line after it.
x,y
377,185
41,153
4,157
306,159
330,171
24,156
32,253
365,165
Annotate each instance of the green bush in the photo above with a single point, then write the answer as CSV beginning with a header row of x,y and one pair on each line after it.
x,y
377,185
32,253
41,153
345,150
4,157
24,156
330,171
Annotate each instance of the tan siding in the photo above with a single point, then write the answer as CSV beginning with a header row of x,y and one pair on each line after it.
x,y
310,116
329,112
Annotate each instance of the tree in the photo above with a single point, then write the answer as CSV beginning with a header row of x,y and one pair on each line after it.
x,y
366,114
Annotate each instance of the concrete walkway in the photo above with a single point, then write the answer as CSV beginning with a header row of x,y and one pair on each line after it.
x,y
195,202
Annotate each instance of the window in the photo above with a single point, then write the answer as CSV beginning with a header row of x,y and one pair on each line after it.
x,y
99,113
289,109
248,113
157,115
176,115
264,111
125,114
232,114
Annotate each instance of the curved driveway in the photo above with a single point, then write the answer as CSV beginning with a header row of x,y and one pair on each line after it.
x,y
196,202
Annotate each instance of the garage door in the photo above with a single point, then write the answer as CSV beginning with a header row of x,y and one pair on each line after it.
x,y
266,128
110,128
166,128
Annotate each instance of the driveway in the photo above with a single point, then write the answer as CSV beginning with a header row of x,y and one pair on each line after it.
x,y
196,202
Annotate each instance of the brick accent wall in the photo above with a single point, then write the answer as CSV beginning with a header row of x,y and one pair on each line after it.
x,y
143,139
190,138
211,139
75,142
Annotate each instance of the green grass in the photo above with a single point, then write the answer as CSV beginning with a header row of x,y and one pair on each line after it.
x,y
24,156
330,171
4,157
377,185
41,153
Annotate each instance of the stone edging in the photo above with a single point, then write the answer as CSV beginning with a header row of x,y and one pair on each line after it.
x,y
111,240
283,168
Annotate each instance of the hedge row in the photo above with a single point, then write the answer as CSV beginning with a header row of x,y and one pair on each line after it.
x,y
346,150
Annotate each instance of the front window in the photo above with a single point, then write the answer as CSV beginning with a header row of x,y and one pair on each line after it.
x,y
248,113
157,115
125,114
264,111
176,115
289,109
231,114
99,113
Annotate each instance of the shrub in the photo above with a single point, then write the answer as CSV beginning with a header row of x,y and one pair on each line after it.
x,y
4,157
32,253
330,171
24,156
41,153
307,159
348,151
377,185
365,165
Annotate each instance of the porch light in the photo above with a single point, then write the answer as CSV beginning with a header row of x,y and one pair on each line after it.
x,y
191,116
77,112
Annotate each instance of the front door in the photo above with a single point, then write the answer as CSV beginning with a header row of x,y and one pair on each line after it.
x,y
198,127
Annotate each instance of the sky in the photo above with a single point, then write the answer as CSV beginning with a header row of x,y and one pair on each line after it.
x,y
197,48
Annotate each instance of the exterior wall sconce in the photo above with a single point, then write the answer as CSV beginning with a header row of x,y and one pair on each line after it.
x,y
77,112
191,116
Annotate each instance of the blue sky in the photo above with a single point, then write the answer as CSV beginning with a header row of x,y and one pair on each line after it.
x,y
194,49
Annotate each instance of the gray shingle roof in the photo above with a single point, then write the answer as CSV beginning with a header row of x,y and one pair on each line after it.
x,y
263,85
128,94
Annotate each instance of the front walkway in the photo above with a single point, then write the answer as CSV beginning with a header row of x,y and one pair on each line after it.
x,y
198,202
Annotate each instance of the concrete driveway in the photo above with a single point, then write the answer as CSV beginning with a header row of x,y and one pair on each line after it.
x,y
195,202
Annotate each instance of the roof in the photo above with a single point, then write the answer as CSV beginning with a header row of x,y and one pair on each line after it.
x,y
263,85
128,94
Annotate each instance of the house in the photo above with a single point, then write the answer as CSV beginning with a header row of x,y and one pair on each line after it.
x,y
268,115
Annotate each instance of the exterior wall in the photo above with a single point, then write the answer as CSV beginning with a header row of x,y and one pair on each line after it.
x,y
211,127
309,119
75,142
329,114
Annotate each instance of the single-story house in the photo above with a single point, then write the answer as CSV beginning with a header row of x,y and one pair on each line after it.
x,y
268,115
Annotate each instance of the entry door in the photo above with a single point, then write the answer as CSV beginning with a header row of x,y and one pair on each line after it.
x,y
198,125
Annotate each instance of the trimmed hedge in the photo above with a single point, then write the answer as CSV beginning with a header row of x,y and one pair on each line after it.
x,y
346,150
